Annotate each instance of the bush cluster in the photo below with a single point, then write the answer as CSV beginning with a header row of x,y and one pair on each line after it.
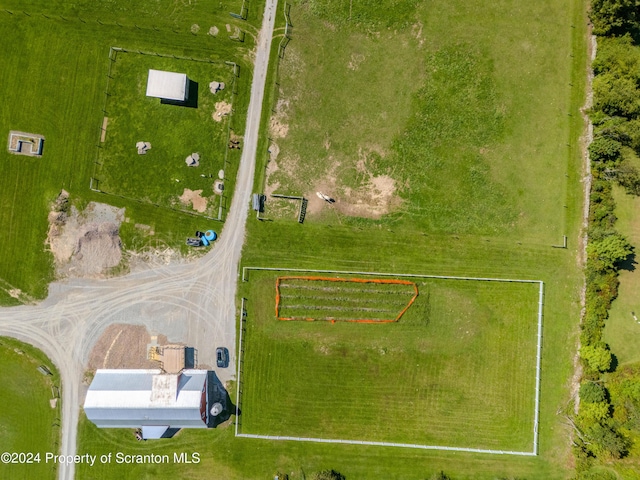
x,y
607,410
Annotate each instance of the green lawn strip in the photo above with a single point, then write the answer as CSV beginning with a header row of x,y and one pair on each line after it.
x,y
225,457
138,14
622,331
441,381
27,421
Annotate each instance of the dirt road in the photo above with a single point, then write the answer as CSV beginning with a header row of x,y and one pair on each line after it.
x,y
192,303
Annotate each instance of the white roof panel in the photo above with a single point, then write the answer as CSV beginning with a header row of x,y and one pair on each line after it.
x,y
151,432
131,389
167,85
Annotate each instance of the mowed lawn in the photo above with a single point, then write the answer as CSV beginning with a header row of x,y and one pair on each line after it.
x,y
174,131
27,421
42,64
465,106
622,331
457,370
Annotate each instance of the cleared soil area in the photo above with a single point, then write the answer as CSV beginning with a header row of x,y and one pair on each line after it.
x,y
85,244
122,346
193,197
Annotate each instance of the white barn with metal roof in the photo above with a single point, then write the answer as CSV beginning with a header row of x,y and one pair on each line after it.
x,y
168,85
149,399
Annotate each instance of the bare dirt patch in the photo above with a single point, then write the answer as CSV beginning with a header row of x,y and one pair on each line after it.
x,y
121,346
85,244
374,198
15,293
355,61
278,128
287,166
198,203
160,255
222,109
274,151
103,133
416,32
271,186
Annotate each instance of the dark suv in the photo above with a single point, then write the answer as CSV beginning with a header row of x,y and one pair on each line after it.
x,y
222,357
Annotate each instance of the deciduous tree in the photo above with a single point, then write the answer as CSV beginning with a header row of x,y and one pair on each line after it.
x,y
608,251
598,357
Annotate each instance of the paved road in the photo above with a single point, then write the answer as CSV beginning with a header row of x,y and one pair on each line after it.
x,y
193,303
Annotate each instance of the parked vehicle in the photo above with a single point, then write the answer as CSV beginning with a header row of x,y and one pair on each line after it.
x,y
222,357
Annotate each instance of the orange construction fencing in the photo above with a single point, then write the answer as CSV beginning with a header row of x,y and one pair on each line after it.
x,y
383,281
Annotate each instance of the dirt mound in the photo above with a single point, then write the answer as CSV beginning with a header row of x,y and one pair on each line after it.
x,y
87,243
222,109
193,197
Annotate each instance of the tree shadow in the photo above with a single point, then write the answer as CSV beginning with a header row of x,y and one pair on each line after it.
x,y
629,263
614,363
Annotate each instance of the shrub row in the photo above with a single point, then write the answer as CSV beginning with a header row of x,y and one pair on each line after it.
x,y
602,428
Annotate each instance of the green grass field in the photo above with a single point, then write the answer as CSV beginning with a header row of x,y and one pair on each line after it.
x,y
174,132
622,331
462,106
53,83
499,84
492,111
457,370
27,421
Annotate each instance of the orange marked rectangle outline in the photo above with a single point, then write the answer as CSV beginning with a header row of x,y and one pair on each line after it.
x,y
378,281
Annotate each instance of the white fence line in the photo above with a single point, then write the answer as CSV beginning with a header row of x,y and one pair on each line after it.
x,y
385,274
242,315
536,413
385,444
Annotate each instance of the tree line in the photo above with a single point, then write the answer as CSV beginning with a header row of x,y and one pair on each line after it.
x,y
608,422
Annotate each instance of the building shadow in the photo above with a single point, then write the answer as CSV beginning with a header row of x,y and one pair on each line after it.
x,y
218,395
190,357
170,432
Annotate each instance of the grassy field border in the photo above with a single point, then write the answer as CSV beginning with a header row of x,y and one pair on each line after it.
x,y
536,415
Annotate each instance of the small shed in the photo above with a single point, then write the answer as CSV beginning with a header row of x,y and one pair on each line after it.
x,y
168,85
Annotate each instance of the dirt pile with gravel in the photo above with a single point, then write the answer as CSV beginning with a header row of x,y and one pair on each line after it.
x,y
84,244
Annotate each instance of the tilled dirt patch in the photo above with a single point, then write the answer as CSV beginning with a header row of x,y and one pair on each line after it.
x,y
122,346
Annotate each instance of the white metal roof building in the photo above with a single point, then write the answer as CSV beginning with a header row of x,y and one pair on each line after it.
x,y
168,85
148,399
